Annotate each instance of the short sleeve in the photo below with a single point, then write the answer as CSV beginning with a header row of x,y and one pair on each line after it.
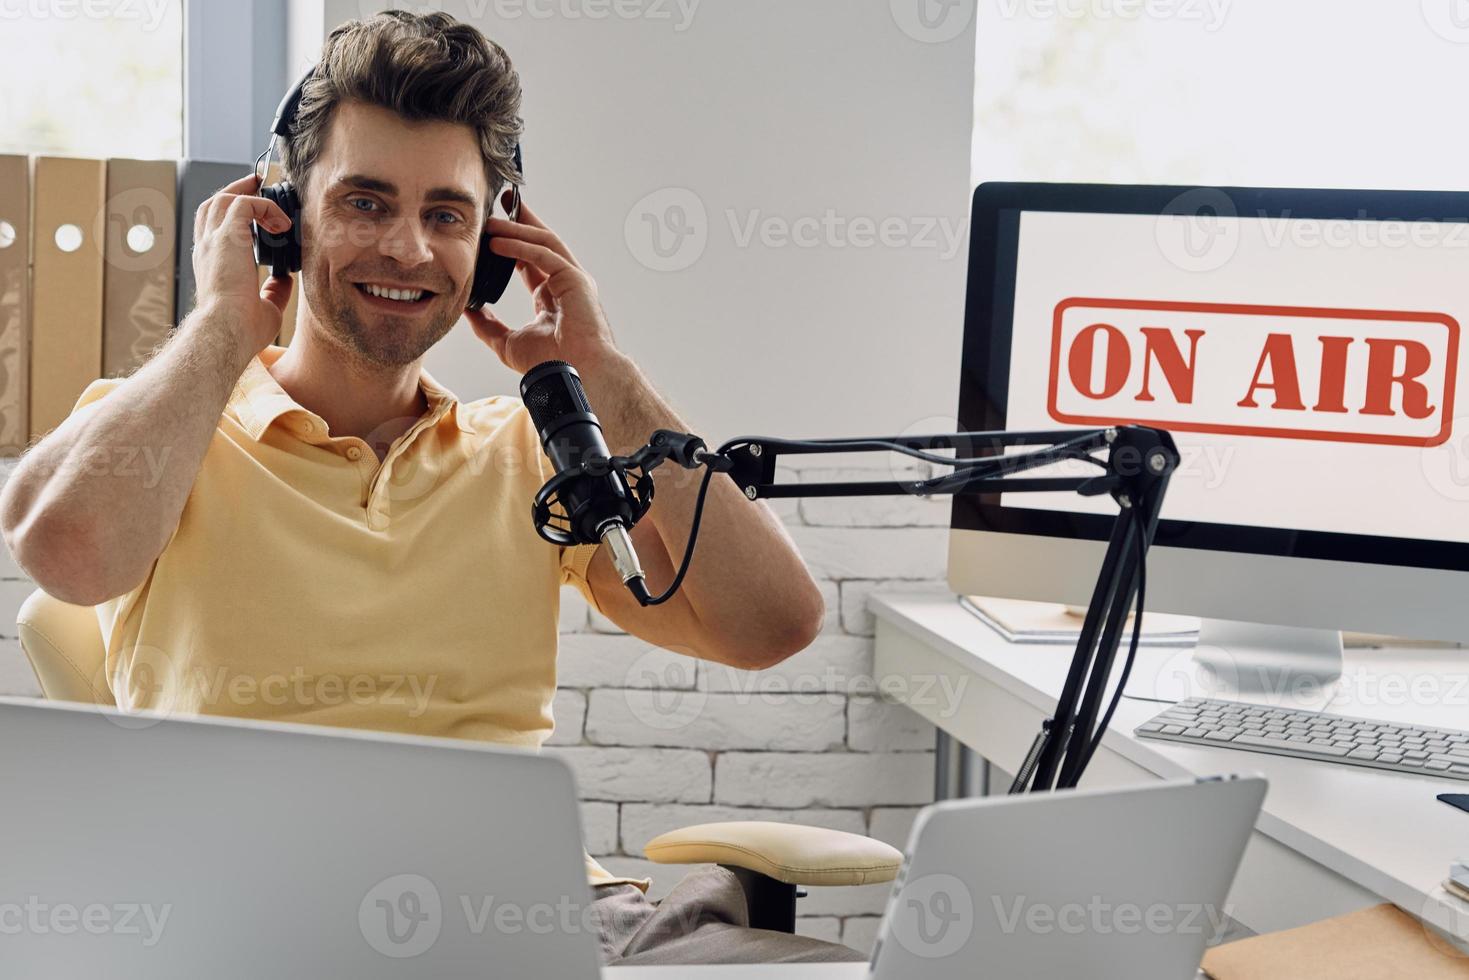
x,y
574,562
93,393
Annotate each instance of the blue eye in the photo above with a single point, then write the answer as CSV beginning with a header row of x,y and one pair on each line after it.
x,y
448,214
354,201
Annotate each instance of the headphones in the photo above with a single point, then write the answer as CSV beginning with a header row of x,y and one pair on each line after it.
x,y
492,273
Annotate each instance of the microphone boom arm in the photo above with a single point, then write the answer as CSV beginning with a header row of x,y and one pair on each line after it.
x,y
1139,462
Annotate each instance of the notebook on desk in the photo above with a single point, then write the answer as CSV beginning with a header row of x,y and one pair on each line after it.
x,y
1381,942
1023,621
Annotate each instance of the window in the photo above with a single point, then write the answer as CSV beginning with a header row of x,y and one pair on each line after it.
x,y
1310,93
101,78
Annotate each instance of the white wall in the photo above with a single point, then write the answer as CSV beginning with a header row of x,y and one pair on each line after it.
x,y
773,109
777,109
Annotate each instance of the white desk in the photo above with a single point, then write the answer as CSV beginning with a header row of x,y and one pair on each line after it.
x,y
758,971
1330,839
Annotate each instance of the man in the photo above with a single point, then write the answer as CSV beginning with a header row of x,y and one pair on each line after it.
x,y
332,537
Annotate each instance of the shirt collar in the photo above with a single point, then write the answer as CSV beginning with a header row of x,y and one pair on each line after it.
x,y
259,400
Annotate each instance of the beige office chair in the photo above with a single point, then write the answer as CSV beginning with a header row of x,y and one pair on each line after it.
x,y
64,645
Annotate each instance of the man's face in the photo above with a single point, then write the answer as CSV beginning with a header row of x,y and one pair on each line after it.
x,y
392,204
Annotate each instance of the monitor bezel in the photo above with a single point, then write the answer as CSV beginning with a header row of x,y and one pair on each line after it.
x,y
988,321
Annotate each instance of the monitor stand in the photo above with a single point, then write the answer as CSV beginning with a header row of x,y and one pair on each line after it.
x,y
1282,666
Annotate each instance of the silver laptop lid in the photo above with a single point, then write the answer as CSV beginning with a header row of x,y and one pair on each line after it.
x,y
1082,883
145,846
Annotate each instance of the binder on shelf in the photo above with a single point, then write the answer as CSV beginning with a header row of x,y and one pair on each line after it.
x,y
199,180
139,234
66,294
15,303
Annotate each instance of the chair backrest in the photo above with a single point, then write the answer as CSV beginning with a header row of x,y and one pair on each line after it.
x,y
64,645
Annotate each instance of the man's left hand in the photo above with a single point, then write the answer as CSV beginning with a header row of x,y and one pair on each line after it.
x,y
569,323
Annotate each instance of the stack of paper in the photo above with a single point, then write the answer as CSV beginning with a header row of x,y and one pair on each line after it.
x,y
1048,622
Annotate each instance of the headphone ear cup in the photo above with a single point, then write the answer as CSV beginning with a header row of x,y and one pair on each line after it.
x,y
492,273
282,252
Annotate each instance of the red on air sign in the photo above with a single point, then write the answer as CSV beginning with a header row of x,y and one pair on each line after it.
x,y
1292,372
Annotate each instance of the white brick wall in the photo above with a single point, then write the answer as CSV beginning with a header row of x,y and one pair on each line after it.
x,y
806,741
824,779
660,740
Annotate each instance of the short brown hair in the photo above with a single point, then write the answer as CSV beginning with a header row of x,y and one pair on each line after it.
x,y
427,66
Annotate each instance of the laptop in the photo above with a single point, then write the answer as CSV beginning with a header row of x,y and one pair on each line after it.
x,y
1127,884
138,845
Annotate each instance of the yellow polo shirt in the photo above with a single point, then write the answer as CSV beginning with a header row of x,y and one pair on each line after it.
x,y
308,583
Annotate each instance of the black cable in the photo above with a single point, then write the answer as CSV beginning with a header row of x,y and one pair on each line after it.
x,y
864,445
1137,628
688,552
1067,450
961,477
856,445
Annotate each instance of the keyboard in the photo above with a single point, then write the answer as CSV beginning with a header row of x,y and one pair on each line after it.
x,y
1311,735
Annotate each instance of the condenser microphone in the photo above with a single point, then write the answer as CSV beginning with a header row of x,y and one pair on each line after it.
x,y
598,503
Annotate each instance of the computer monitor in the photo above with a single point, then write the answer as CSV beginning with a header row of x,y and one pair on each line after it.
x,y
1303,348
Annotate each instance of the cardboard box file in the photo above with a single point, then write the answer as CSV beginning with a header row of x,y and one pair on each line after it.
x,y
138,281
66,311
15,303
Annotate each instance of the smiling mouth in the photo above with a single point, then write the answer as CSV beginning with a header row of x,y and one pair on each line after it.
x,y
395,299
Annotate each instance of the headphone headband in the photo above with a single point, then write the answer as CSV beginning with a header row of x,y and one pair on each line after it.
x,y
285,113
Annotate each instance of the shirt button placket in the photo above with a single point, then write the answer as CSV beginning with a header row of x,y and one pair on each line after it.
x,y
377,508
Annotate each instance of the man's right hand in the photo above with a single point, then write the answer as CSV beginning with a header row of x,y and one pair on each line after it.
x,y
226,277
